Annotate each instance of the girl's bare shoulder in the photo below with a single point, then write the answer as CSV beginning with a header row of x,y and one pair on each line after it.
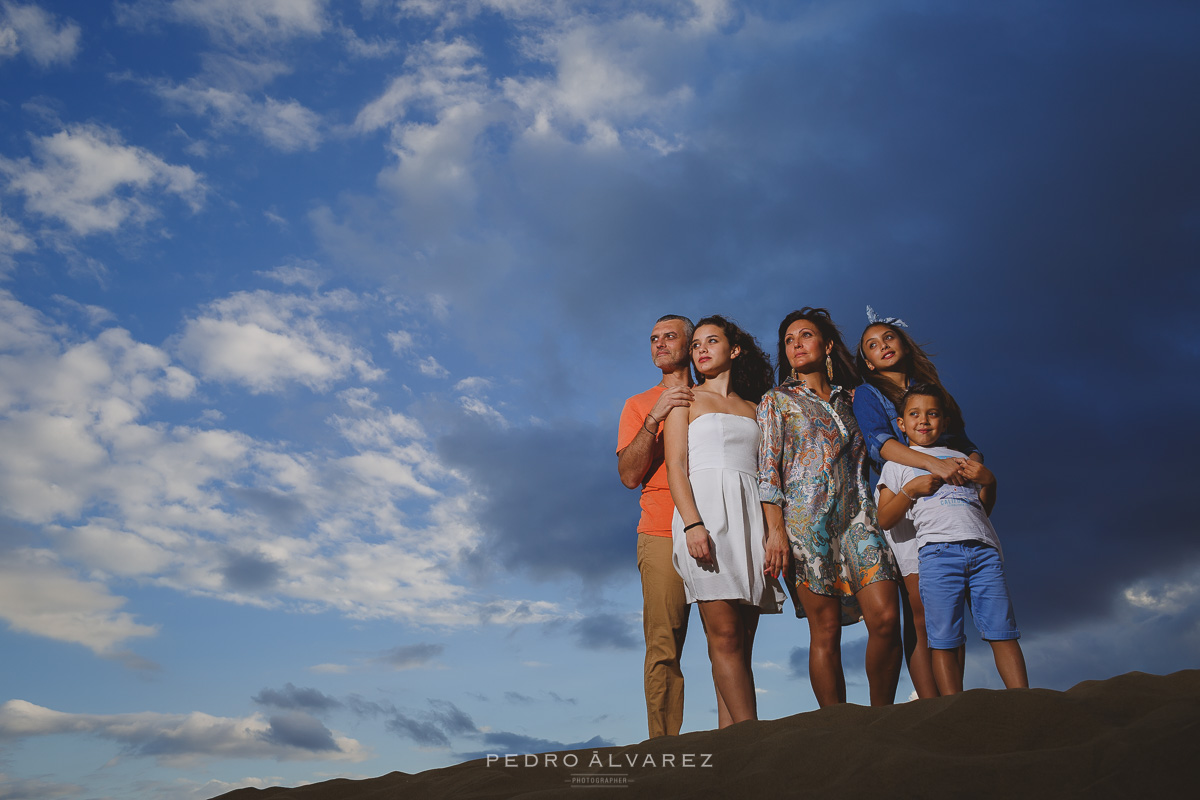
x,y
732,404
702,403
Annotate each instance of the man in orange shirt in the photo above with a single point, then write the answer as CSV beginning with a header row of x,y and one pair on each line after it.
x,y
640,462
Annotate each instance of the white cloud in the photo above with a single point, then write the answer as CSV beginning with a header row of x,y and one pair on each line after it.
x,y
590,78
373,528
380,430
401,341
473,385
104,546
367,48
329,669
475,406
359,398
704,14
24,329
265,341
17,789
95,315
615,80
183,739
245,19
8,41
285,125
229,92
439,306
454,12
710,14
65,410
304,273
430,367
608,87
85,177
1164,596
236,73
37,33
12,240
436,112
387,471
39,596
236,21
438,75
599,83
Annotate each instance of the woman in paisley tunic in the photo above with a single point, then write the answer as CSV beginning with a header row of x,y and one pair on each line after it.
x,y
817,500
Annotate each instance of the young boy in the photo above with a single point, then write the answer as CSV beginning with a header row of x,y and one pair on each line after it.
x,y
959,557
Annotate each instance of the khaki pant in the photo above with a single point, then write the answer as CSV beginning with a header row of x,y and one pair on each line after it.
x,y
665,620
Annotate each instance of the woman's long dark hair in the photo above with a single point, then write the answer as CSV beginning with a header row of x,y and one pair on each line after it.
x,y
750,376
845,374
920,370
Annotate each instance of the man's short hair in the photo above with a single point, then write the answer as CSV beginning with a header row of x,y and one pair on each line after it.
x,y
688,327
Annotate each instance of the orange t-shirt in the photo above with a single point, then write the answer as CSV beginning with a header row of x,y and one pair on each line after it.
x,y
657,506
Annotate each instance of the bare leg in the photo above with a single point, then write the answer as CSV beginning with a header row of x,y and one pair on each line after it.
x,y
724,718
1010,662
916,646
908,630
948,670
881,612
824,646
726,633
750,617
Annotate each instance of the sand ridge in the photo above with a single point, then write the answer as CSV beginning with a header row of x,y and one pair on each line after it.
x,y
1135,735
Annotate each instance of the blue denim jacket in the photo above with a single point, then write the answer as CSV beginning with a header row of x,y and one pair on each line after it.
x,y
876,417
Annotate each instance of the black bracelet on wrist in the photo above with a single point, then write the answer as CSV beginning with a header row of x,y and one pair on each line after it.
x,y
647,430
687,528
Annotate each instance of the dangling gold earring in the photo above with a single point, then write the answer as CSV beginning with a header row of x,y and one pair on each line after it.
x,y
795,375
829,366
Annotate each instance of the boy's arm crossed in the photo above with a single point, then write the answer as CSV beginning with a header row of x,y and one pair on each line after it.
x,y
978,473
894,505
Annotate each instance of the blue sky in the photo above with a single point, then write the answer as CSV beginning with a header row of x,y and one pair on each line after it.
x,y
318,317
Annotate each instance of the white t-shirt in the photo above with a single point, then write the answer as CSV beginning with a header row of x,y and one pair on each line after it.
x,y
951,514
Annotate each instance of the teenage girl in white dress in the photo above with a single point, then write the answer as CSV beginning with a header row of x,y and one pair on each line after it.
x,y
718,530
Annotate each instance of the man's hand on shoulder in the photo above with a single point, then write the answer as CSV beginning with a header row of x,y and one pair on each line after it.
x,y
634,460
672,397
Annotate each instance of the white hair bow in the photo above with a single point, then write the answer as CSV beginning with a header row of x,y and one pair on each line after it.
x,y
873,318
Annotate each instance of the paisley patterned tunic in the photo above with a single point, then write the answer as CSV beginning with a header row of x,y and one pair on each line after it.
x,y
812,462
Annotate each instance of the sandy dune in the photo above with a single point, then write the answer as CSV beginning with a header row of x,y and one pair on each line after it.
x,y
1133,736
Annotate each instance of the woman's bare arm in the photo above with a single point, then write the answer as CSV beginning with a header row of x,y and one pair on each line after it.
x,y
675,451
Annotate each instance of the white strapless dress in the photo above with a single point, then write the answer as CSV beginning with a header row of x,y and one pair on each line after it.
x,y
723,468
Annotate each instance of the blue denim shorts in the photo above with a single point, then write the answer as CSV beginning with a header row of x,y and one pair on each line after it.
x,y
958,575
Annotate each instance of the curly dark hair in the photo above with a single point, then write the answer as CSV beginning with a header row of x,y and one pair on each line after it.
x,y
920,370
751,374
845,374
